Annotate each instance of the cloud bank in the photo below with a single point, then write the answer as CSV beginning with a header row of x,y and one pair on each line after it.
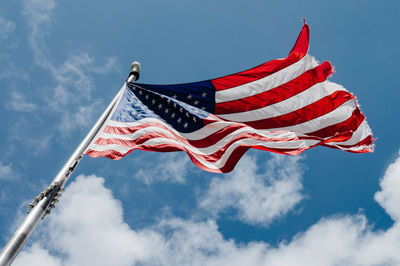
x,y
7,172
69,95
88,229
258,198
171,167
6,28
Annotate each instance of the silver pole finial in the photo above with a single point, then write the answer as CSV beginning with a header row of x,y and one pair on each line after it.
x,y
134,72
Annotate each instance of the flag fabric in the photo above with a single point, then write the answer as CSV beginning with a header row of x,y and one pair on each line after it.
x,y
285,106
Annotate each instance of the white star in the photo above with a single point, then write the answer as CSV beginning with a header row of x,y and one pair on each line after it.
x,y
153,101
160,106
174,104
169,100
166,111
174,96
185,125
204,94
133,88
173,115
187,114
147,97
203,108
194,119
180,109
140,92
179,120
196,102
189,96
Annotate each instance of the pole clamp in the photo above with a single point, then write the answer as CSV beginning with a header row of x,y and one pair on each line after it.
x,y
45,193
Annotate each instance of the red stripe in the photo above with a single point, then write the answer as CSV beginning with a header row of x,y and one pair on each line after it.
x,y
351,124
297,53
212,157
278,94
368,141
200,143
229,165
111,154
307,113
326,136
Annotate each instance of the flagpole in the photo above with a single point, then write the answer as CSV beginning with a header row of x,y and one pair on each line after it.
x,y
44,202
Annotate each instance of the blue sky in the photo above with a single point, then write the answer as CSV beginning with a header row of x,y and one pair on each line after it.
x,y
62,62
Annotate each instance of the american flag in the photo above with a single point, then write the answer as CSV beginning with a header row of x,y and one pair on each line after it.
x,y
285,106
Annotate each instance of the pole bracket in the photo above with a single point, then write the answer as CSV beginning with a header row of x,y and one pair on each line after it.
x,y
54,187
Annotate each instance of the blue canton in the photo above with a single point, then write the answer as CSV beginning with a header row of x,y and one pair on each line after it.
x,y
138,103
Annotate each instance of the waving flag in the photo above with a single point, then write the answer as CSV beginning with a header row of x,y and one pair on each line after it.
x,y
285,106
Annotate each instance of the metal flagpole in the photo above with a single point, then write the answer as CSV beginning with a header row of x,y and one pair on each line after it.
x,y
44,202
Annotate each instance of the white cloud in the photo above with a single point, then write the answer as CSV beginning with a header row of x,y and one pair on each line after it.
x,y
6,172
172,167
88,229
19,102
37,255
38,14
71,94
66,99
389,196
80,118
200,243
6,28
20,133
71,97
258,198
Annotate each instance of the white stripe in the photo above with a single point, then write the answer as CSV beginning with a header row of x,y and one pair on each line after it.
x,y
269,82
199,134
213,165
196,135
293,144
361,133
338,115
243,130
298,101
205,150
355,149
